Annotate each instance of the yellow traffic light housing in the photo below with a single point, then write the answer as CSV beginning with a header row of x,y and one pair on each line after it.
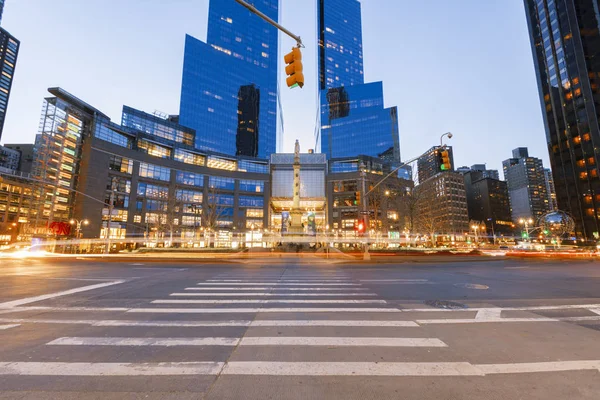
x,y
445,164
294,68
357,197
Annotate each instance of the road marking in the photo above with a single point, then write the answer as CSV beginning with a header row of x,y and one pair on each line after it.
x,y
488,313
194,324
251,294
249,341
479,321
349,369
77,309
523,368
270,368
283,280
258,310
109,369
394,280
389,324
524,308
269,301
164,342
595,310
474,286
5,327
272,289
275,284
29,300
341,341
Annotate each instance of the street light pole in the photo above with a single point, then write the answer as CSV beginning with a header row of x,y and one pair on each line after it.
x,y
78,223
111,205
254,10
449,134
365,212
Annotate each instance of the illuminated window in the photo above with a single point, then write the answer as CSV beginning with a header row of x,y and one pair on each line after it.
x,y
221,163
188,157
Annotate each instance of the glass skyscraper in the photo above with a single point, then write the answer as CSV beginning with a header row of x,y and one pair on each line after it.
x,y
353,118
229,85
565,40
9,50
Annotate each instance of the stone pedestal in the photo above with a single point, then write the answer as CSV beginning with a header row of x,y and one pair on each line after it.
x,y
296,223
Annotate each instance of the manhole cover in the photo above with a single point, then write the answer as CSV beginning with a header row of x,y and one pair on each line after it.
x,y
448,305
472,286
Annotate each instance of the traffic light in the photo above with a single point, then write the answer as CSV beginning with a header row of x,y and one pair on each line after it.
x,y
357,197
444,160
360,227
294,68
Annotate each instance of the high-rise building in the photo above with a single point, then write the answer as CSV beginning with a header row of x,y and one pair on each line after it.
x,y
25,155
565,41
429,165
9,158
229,85
353,117
550,190
487,200
442,205
9,50
1,9
526,185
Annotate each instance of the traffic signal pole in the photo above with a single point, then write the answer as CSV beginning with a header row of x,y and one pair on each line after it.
x,y
254,10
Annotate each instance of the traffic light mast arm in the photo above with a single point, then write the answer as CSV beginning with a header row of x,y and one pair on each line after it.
x,y
270,21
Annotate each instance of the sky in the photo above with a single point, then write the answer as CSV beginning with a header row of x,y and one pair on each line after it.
x,y
460,66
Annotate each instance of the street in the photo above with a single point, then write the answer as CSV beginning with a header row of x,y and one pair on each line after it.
x,y
299,328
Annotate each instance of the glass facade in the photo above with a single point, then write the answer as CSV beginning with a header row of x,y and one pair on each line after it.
x,y
229,85
566,42
157,126
353,118
354,122
9,50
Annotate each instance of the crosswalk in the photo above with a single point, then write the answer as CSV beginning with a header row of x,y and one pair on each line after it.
x,y
245,317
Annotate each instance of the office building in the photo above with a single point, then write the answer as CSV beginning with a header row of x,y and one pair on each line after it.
x,y
9,158
229,85
550,190
388,204
488,201
429,165
143,178
1,9
9,51
442,206
485,173
25,151
353,119
526,185
565,41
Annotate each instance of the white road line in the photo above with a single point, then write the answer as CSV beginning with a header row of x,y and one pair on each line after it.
x,y
278,301
524,308
215,289
394,280
5,327
164,342
595,310
238,323
251,294
76,309
275,284
270,368
109,369
479,321
258,310
284,323
488,313
559,366
341,341
283,280
349,369
16,303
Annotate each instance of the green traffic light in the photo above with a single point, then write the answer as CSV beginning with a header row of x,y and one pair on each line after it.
x,y
443,167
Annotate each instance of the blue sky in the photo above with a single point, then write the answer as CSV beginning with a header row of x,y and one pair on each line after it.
x,y
463,66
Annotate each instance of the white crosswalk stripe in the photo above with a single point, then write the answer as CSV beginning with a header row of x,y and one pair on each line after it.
x,y
274,289
275,284
277,301
250,294
260,310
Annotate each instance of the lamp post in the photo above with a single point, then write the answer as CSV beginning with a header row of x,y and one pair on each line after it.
x,y
78,223
526,223
493,231
475,228
449,134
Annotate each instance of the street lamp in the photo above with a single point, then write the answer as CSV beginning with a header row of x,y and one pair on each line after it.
x,y
449,134
475,228
526,222
78,223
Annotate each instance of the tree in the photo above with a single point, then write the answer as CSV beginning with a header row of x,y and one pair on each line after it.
x,y
428,217
215,208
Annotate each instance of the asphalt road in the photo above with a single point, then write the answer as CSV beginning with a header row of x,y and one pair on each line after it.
x,y
299,329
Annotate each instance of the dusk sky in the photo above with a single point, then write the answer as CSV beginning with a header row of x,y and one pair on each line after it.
x,y
463,66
